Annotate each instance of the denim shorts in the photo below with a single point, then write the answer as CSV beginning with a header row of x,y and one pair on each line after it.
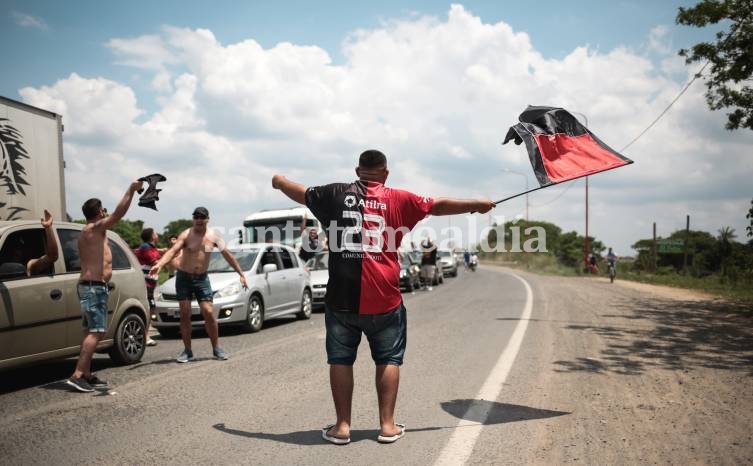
x,y
387,334
190,285
93,299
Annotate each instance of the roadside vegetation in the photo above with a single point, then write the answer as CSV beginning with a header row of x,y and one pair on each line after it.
x,y
715,263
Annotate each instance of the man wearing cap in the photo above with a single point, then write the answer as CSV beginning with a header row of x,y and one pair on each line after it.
x,y
365,222
195,246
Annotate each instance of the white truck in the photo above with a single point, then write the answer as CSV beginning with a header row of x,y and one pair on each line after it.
x,y
31,162
279,226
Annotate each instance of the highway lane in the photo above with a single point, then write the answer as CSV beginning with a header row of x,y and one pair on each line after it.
x,y
267,403
604,374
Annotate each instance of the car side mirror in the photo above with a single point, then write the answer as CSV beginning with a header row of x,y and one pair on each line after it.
x,y
269,268
10,270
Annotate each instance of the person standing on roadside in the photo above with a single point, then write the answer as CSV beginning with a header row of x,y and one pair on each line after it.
x,y
428,263
148,254
96,272
365,222
192,281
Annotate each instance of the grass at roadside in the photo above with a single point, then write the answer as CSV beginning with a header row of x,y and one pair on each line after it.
x,y
713,285
741,293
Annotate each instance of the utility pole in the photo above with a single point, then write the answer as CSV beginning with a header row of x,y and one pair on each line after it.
x,y
653,252
525,226
585,241
685,246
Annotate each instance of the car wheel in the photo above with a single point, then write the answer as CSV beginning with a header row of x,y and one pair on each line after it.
x,y
129,340
254,315
169,332
305,305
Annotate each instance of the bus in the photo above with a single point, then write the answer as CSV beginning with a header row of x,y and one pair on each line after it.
x,y
279,225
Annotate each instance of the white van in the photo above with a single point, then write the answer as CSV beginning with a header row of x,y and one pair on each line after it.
x,y
279,226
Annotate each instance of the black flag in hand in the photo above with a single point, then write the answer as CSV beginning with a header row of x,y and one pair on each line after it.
x,y
151,196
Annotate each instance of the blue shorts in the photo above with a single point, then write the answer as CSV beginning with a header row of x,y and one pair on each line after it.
x,y
93,299
387,334
190,285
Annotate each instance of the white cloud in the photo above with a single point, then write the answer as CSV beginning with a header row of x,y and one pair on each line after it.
x,y
29,21
437,95
146,52
658,40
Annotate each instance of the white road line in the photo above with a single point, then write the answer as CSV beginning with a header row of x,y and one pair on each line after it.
x,y
461,443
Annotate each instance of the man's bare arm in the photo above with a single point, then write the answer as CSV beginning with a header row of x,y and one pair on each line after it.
x,y
447,206
168,256
121,208
235,265
295,191
51,249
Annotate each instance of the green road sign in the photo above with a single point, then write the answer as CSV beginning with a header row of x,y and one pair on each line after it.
x,y
670,246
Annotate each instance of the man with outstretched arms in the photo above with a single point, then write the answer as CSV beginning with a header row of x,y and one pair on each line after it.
x,y
195,246
96,272
365,222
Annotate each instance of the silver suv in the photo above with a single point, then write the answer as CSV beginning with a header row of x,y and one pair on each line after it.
x,y
40,316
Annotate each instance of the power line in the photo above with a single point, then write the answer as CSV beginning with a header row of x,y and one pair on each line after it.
x,y
696,76
732,32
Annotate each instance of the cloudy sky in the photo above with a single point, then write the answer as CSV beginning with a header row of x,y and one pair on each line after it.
x,y
220,98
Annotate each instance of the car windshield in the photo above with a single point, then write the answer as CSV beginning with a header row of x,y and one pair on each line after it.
x,y
444,253
405,262
318,262
245,259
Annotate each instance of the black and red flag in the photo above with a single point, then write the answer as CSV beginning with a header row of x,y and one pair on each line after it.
x,y
560,148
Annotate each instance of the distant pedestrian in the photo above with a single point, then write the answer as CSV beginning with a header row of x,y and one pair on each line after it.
x,y
96,272
428,263
192,281
148,254
365,223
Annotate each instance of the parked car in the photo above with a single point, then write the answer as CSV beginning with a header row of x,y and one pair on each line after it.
x,y
410,273
278,286
40,316
438,270
319,269
449,265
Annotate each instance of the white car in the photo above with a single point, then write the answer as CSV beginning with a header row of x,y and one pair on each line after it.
x,y
318,267
278,285
449,265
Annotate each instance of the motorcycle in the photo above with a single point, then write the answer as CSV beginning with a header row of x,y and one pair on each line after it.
x,y
611,271
473,263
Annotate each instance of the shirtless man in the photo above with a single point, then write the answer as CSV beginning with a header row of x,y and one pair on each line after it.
x,y
96,272
191,280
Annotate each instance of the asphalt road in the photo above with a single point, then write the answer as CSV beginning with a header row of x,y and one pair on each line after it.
x,y
596,374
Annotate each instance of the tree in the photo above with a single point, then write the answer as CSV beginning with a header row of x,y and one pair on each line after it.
x,y
726,237
175,227
130,231
749,216
730,56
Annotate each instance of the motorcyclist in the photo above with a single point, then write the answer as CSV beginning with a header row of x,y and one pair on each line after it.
x,y
474,262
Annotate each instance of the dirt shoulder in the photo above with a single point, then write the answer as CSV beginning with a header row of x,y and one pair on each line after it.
x,y
666,292
646,374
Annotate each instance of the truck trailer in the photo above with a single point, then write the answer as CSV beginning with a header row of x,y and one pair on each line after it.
x,y
31,162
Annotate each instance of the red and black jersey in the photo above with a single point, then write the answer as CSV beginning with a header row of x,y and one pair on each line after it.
x,y
365,222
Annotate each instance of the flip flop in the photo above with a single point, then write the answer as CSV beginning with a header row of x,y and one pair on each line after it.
x,y
332,438
392,438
